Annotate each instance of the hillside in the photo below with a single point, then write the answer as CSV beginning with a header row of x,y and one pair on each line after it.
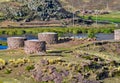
x,y
45,10
87,4
33,9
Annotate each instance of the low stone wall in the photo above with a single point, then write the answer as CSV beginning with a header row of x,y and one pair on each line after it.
x,y
48,37
35,46
15,42
117,34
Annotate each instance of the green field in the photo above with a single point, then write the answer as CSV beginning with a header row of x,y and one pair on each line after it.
x,y
112,17
59,30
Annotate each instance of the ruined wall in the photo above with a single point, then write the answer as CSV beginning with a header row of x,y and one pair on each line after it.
x,y
117,34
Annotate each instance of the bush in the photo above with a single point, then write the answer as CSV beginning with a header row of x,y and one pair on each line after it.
x,y
8,71
20,32
2,62
18,62
91,34
31,67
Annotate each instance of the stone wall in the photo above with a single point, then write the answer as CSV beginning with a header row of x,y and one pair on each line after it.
x,y
35,46
15,42
48,37
117,34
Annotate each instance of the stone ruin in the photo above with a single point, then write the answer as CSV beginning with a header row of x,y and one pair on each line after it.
x,y
39,46
117,34
48,37
15,42
34,46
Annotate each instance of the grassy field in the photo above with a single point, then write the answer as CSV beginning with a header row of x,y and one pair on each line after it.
x,y
79,52
59,30
112,17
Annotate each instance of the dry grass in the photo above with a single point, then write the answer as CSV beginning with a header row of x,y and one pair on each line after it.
x,y
4,0
68,49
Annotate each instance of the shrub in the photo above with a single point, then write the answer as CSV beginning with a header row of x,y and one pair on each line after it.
x,y
20,32
55,61
8,71
18,62
11,33
2,62
91,35
31,67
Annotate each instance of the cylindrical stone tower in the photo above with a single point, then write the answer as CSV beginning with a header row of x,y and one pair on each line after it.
x,y
117,34
35,46
15,42
48,37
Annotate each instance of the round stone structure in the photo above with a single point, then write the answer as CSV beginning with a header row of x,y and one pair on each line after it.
x,y
35,46
15,42
48,37
117,34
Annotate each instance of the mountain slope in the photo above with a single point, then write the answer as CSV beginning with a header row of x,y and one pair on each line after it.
x,y
50,9
34,9
88,4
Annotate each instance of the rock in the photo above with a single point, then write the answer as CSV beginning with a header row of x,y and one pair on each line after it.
x,y
44,62
46,78
65,73
57,80
51,69
37,75
90,81
80,78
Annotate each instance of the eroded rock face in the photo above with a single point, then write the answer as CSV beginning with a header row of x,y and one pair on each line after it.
x,y
35,46
15,42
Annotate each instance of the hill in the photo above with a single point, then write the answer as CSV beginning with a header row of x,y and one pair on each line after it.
x,y
45,10
33,9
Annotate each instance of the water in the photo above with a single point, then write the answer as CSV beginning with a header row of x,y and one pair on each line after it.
x,y
3,39
102,36
3,47
99,36
80,36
